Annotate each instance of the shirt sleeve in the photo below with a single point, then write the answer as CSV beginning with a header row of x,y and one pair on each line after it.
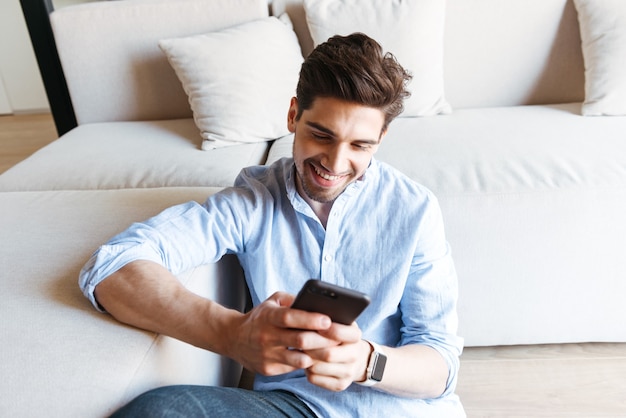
x,y
179,238
428,306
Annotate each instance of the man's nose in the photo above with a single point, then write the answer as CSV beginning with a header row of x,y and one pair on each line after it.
x,y
336,157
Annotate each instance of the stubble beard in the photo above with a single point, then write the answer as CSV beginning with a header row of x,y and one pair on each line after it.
x,y
310,190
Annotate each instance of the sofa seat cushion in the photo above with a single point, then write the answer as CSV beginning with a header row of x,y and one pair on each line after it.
x,y
509,150
116,155
59,356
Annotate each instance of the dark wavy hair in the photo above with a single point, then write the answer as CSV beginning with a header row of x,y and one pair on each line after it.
x,y
355,69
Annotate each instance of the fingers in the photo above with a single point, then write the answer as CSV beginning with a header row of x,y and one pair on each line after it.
x,y
282,299
334,382
295,318
282,360
346,334
335,368
273,338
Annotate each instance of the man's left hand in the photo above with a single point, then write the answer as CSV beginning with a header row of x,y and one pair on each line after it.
x,y
335,368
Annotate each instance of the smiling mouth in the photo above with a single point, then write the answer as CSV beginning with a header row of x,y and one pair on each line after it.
x,y
326,176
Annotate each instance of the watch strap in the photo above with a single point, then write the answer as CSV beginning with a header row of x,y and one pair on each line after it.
x,y
375,365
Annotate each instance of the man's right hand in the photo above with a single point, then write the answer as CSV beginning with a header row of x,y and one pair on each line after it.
x,y
272,337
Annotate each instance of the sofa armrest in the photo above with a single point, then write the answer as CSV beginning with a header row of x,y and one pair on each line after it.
x,y
63,356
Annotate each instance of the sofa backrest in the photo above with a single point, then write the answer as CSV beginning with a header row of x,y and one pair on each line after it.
x,y
499,52
512,52
496,52
113,66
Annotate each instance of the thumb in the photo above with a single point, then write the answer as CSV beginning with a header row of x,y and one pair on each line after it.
x,y
282,299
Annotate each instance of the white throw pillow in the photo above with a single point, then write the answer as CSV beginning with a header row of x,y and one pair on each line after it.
x,y
412,30
603,35
239,80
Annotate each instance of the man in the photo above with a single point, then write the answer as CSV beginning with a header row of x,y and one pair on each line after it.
x,y
333,213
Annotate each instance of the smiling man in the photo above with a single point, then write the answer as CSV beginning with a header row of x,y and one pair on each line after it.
x,y
336,141
331,212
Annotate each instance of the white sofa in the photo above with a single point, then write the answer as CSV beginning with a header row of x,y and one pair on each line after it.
x,y
533,192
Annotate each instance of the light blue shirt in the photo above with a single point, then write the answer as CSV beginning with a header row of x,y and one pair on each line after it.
x,y
384,237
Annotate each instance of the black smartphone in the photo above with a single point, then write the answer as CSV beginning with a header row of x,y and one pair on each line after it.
x,y
341,304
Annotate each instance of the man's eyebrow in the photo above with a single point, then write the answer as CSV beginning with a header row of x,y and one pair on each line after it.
x,y
330,132
320,128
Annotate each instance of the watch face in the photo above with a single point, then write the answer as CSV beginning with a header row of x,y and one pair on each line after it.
x,y
379,367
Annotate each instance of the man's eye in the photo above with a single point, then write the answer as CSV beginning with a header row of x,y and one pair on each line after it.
x,y
320,137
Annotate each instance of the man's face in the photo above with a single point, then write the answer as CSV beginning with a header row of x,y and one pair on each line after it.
x,y
333,146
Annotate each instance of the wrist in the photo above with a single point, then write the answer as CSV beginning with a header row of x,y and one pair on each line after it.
x,y
375,365
366,351
224,324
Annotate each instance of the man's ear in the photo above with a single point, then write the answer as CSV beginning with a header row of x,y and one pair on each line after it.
x,y
291,115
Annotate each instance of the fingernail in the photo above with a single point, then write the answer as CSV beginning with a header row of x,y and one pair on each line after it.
x,y
326,322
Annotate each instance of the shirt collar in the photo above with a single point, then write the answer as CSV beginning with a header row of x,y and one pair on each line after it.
x,y
299,204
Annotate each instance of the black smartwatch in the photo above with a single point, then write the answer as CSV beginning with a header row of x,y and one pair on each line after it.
x,y
375,366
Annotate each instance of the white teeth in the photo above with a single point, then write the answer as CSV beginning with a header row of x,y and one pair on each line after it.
x,y
325,176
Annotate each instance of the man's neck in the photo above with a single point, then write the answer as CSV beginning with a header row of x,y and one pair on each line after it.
x,y
322,210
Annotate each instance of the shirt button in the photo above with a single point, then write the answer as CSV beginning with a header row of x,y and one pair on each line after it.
x,y
328,257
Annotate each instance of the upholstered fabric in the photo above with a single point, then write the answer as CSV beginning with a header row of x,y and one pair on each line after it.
x,y
499,53
131,154
282,147
64,358
540,267
239,80
509,150
411,30
111,59
603,33
509,53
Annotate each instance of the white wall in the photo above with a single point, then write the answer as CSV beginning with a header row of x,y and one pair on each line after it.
x,y
21,88
5,106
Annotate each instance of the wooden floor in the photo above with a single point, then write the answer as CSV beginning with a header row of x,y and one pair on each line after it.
x,y
22,135
564,380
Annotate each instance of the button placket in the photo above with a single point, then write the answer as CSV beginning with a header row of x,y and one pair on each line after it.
x,y
331,241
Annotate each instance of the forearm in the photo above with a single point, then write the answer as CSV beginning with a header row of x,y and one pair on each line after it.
x,y
146,295
415,371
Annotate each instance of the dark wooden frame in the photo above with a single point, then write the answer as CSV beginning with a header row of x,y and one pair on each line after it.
x,y
37,15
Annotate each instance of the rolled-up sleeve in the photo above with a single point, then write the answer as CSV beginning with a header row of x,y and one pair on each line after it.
x,y
428,306
179,238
